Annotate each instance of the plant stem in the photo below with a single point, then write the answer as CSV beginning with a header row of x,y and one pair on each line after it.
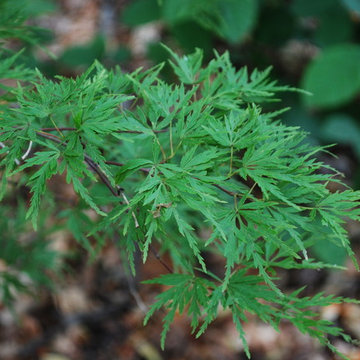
x,y
117,131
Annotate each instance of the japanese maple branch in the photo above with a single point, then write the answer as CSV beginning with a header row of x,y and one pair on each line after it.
x,y
117,131
55,138
116,192
145,170
106,181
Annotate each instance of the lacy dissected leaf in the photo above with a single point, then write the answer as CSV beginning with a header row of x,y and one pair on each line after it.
x,y
186,293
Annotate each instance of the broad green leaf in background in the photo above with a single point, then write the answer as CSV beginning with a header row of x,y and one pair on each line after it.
x,y
343,129
37,7
237,18
84,54
230,19
191,35
333,77
140,12
335,26
353,5
174,11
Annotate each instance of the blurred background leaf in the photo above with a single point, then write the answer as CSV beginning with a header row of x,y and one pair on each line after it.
x,y
333,77
353,5
237,18
342,129
140,12
84,54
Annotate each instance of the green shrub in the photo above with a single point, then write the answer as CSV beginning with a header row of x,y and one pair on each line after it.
x,y
175,159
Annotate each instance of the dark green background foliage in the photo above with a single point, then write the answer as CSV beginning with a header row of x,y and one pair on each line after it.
x,y
156,162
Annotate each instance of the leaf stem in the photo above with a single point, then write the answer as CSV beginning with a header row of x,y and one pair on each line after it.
x,y
171,141
117,131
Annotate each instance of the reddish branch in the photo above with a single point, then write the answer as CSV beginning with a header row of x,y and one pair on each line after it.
x,y
117,131
101,175
144,170
226,191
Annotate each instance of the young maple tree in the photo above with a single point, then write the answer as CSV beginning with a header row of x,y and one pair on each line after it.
x,y
157,163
